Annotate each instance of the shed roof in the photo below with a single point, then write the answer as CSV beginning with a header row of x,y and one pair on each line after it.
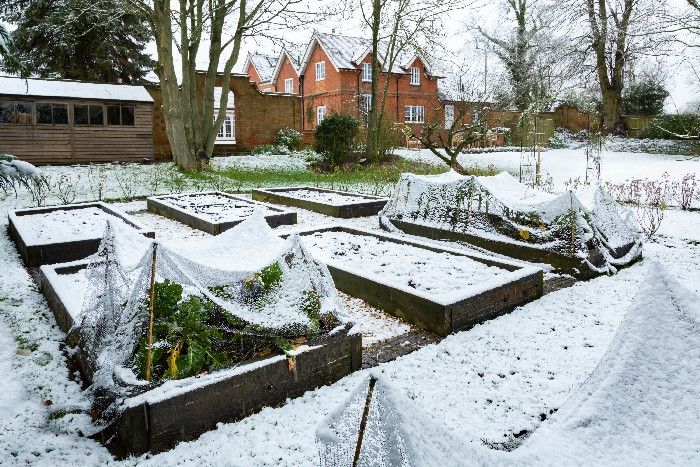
x,y
10,85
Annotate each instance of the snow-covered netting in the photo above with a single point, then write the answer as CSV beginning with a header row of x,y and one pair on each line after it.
x,y
588,225
372,428
216,302
638,407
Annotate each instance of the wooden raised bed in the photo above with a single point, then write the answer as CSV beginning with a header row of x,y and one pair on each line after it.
x,y
561,263
36,252
162,205
370,206
521,285
182,410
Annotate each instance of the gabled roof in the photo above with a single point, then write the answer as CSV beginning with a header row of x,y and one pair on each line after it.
x,y
347,52
264,65
72,89
280,60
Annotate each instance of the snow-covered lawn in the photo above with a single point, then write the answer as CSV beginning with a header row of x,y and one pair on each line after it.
x,y
568,164
487,384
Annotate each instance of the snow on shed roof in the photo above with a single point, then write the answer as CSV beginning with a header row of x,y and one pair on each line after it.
x,y
72,89
264,65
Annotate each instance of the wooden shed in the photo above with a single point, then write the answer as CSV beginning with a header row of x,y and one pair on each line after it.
x,y
69,122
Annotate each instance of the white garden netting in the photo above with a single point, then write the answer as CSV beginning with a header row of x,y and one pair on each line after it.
x,y
261,287
583,224
366,430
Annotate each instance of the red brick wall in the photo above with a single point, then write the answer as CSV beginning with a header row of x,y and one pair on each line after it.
x,y
255,78
258,117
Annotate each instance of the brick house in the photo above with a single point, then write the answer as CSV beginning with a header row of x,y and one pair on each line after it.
x,y
335,76
285,76
260,68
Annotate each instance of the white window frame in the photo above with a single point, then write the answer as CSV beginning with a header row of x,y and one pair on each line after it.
x,y
320,114
449,116
414,114
227,132
289,86
320,71
415,76
365,104
367,72
223,136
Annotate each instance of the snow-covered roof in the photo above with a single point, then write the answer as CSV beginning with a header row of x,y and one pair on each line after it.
x,y
264,65
280,60
347,52
72,89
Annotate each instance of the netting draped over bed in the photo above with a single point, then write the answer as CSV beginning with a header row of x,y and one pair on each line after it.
x,y
384,442
260,279
501,208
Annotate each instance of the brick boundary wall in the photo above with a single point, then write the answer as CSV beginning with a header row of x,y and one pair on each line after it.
x,y
259,117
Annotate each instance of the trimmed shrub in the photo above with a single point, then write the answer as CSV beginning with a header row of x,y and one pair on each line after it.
x,y
290,138
644,98
335,139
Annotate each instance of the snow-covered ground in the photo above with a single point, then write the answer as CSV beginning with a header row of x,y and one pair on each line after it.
x,y
568,164
482,386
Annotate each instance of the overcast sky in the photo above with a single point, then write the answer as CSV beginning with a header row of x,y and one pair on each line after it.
x,y
459,40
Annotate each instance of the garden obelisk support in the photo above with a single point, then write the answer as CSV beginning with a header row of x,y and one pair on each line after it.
x,y
151,299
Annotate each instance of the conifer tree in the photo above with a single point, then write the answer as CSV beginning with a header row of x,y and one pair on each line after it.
x,y
89,40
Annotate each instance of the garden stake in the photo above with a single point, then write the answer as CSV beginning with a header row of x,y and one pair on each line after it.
x,y
363,422
151,300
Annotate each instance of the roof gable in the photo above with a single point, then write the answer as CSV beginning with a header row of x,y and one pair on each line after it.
x,y
264,65
284,55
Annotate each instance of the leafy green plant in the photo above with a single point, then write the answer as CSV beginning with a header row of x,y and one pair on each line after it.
x,y
646,97
335,139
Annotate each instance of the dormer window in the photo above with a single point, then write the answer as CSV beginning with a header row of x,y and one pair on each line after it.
x,y
367,72
289,85
415,76
320,71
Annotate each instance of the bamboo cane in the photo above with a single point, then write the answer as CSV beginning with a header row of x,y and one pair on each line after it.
x,y
363,422
151,300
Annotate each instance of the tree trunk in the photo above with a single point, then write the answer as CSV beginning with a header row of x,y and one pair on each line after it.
x,y
373,130
612,109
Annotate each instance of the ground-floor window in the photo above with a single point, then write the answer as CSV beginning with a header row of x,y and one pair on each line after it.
x,y
365,104
414,114
227,132
449,116
320,114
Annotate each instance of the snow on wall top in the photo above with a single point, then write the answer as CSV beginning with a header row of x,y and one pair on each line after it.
x,y
72,89
264,65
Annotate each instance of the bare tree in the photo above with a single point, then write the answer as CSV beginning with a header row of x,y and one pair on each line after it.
x,y
218,27
397,27
460,134
518,52
617,32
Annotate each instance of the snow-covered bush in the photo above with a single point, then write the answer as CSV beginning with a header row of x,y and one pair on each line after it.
x,y
15,173
289,138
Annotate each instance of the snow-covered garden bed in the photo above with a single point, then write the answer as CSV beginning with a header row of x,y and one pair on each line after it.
x,y
439,289
329,202
215,212
230,319
64,233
